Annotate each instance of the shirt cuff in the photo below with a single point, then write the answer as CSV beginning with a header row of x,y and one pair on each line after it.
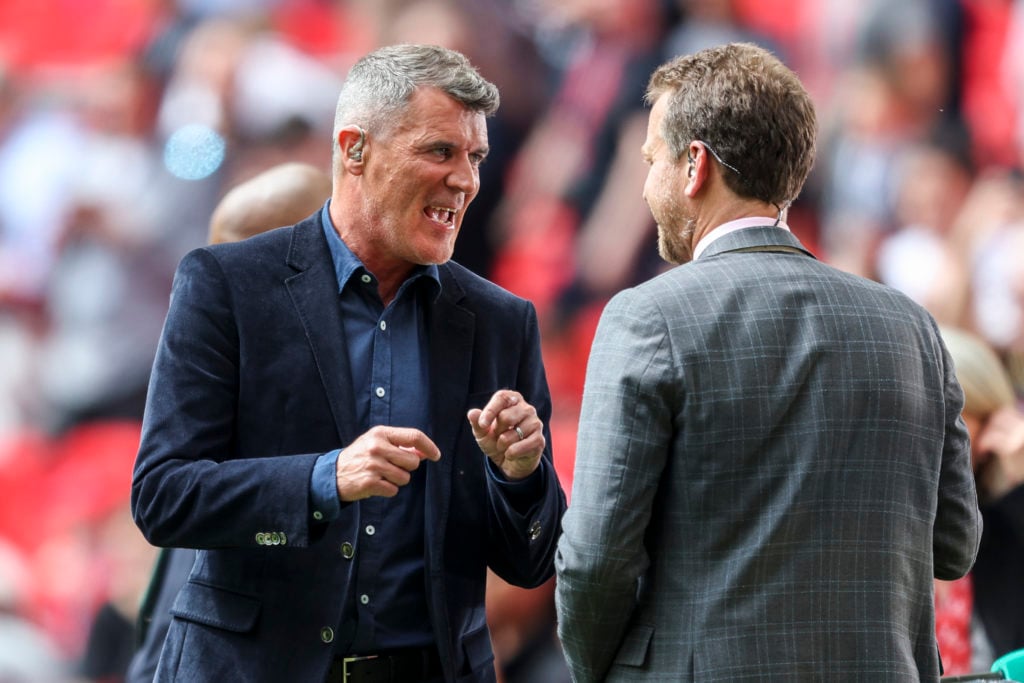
x,y
323,488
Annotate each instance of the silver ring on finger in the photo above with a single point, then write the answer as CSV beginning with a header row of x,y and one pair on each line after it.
x,y
519,432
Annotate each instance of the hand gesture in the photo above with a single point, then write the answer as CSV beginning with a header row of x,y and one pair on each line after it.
x,y
509,432
380,461
1001,445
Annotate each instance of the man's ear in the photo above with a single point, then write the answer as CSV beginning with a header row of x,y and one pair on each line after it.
x,y
697,171
352,141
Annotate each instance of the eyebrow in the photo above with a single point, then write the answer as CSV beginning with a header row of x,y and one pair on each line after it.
x,y
432,144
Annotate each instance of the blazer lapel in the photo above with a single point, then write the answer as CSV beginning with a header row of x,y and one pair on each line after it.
x,y
314,292
450,334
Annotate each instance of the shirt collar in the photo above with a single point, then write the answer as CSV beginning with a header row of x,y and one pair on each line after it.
x,y
733,226
347,264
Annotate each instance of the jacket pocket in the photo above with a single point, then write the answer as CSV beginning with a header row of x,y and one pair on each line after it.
x,y
217,607
633,651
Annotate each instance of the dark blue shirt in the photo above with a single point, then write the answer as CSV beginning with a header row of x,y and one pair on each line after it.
x,y
387,353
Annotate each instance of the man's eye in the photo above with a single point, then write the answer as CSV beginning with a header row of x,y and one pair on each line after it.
x,y
477,159
444,152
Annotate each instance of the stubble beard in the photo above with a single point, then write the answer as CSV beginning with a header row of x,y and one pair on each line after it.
x,y
674,245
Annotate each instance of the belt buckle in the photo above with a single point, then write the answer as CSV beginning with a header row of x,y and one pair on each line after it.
x,y
352,660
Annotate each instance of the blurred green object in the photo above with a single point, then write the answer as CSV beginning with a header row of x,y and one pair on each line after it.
x,y
1011,665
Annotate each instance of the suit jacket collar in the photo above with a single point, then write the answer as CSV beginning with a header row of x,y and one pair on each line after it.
x,y
451,333
764,238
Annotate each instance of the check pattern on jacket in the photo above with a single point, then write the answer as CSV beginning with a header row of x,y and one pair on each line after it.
x,y
770,470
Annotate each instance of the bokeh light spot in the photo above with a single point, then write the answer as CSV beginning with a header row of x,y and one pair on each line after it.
x,y
194,152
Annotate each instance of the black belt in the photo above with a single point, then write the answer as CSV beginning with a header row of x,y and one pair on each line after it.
x,y
417,665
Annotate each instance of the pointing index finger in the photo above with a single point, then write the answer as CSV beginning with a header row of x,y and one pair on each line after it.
x,y
502,399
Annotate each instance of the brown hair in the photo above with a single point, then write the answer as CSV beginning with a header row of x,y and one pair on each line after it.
x,y
749,108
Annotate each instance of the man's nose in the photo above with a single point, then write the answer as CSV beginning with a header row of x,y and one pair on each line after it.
x,y
464,176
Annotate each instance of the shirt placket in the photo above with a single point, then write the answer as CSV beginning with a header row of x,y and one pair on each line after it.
x,y
372,509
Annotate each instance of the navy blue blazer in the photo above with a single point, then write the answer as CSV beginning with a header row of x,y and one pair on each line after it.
x,y
250,385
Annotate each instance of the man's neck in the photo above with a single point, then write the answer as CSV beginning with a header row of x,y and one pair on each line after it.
x,y
731,210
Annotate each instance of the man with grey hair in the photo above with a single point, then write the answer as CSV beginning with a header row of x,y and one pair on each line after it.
x,y
350,427
771,465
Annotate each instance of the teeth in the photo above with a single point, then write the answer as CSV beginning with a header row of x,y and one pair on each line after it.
x,y
441,215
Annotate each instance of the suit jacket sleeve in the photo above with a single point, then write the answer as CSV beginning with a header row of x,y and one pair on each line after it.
x,y
624,438
957,531
190,488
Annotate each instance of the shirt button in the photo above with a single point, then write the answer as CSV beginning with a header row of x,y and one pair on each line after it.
x,y
317,515
366,279
383,325
535,529
364,598
370,531
380,392
327,634
348,551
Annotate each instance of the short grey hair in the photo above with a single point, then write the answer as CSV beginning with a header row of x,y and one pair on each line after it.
x,y
378,86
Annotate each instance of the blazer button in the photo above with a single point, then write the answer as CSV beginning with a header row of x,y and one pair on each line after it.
x,y
327,634
347,550
317,515
261,538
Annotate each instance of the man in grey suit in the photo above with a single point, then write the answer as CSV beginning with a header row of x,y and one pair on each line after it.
x,y
771,465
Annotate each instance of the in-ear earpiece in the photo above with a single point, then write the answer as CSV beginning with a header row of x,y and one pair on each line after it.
x,y
689,171
355,152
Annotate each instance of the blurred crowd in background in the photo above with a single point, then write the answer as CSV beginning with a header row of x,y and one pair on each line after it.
x,y
123,122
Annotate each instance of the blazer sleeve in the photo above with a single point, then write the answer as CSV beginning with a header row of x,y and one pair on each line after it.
x,y
525,518
190,488
625,434
957,531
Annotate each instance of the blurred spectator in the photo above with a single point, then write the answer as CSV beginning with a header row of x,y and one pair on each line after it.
x,y
40,142
989,233
897,90
979,617
919,257
558,174
26,653
108,289
706,23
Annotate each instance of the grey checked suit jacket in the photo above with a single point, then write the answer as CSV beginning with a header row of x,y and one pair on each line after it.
x,y
770,470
